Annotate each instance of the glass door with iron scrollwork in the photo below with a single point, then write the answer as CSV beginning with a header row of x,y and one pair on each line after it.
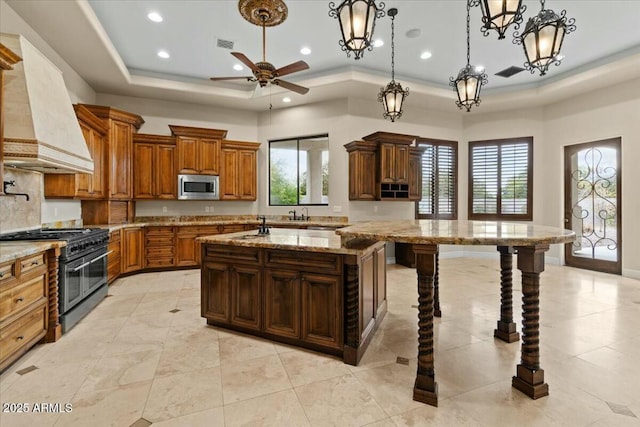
x,y
592,181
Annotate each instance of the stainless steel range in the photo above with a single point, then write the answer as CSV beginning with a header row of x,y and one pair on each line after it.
x,y
83,268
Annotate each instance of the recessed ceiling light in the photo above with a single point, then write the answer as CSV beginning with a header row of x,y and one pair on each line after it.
x,y
163,54
378,43
560,57
238,67
479,68
155,17
413,33
305,51
425,55
286,99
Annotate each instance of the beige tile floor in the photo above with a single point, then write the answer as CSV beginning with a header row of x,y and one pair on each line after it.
x,y
132,361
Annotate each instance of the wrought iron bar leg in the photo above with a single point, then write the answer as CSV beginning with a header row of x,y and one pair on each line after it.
x,y
506,329
529,377
425,389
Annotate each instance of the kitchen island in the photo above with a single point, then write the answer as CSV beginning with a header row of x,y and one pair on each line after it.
x,y
528,241
300,287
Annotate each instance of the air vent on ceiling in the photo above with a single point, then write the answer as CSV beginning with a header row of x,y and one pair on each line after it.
x,y
510,71
225,44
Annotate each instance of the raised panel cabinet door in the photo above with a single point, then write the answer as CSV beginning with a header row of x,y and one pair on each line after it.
x,y
186,249
84,180
362,175
229,174
415,177
143,171
247,175
209,156
215,295
98,154
246,296
322,309
165,177
188,152
282,302
402,163
120,153
132,257
387,163
380,279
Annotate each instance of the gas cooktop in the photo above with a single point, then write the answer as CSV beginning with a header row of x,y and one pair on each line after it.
x,y
51,234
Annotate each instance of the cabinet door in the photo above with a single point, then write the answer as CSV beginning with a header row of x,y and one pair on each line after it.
x,y
188,152
415,178
186,249
143,171
362,176
120,151
387,163
209,156
84,180
322,309
246,296
246,175
401,163
215,294
229,174
132,249
98,154
282,302
165,175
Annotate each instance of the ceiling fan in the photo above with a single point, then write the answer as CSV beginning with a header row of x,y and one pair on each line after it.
x,y
264,72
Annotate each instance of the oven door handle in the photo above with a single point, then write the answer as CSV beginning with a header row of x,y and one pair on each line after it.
x,y
100,257
81,266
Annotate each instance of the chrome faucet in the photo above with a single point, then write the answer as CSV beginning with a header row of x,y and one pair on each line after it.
x,y
302,217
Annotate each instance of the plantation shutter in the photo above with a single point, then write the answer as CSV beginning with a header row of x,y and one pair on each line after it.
x,y
439,187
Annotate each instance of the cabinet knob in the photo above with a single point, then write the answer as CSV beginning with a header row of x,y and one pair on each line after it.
x,y
20,338
19,299
1,274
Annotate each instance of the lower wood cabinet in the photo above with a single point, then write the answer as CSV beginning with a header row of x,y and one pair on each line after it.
x,y
114,258
246,296
132,255
322,309
160,247
282,302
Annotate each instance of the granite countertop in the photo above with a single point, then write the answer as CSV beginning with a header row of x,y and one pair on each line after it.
x,y
293,239
10,251
458,232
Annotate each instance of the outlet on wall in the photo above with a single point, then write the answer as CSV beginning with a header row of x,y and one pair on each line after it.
x,y
206,209
211,208
337,208
55,212
375,208
164,209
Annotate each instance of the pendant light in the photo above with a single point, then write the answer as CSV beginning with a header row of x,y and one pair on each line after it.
x,y
357,21
470,79
542,39
498,15
393,95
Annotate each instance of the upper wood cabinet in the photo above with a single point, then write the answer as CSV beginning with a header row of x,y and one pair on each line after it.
x,y
119,153
7,60
154,167
83,185
198,149
238,172
384,166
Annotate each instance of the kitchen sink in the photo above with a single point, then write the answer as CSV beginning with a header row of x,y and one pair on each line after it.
x,y
250,236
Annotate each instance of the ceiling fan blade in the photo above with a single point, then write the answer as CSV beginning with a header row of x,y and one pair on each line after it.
x,y
291,68
246,61
291,86
215,79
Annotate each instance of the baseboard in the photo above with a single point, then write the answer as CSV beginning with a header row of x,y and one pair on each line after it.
x,y
391,260
633,274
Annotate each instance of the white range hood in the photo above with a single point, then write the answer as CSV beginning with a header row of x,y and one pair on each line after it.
x,y
41,131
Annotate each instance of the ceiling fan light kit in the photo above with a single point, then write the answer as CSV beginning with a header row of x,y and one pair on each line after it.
x,y
393,95
357,20
542,39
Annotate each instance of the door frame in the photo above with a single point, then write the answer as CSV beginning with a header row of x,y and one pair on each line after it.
x,y
614,267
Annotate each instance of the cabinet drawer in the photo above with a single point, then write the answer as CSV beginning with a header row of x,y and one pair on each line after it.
x,y
22,331
160,241
232,253
305,261
15,298
160,262
7,271
159,231
163,251
31,263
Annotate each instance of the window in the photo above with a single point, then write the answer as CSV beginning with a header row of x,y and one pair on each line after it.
x,y
501,179
439,180
299,171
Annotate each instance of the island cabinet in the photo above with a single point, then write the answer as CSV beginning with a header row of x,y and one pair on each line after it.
x,y
238,170
24,292
132,252
154,167
328,302
83,185
198,149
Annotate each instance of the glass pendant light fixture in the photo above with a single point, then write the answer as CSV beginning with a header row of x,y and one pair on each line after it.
x,y
542,39
498,15
357,21
392,96
470,79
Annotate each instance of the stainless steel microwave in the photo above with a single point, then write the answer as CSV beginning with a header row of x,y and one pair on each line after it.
x,y
198,187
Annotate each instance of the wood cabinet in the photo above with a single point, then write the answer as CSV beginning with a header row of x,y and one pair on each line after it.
x,y
384,166
154,167
132,250
322,309
188,248
23,305
8,59
160,247
83,185
114,258
238,170
198,149
282,306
